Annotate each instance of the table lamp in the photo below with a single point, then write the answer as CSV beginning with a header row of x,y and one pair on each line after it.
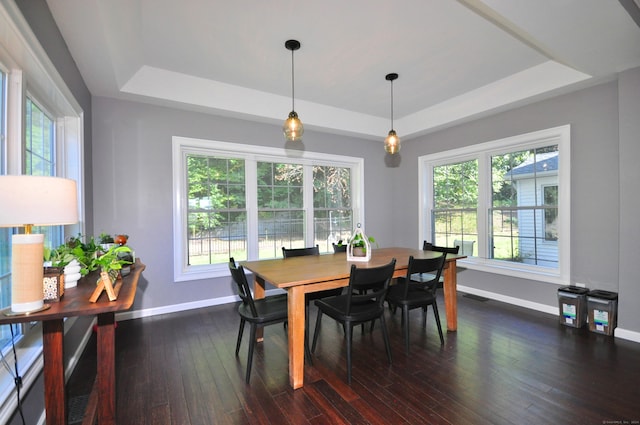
x,y
28,201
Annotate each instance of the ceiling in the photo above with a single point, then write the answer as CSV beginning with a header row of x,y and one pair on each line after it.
x,y
456,60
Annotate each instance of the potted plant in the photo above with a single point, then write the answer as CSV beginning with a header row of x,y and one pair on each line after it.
x,y
106,241
359,247
111,262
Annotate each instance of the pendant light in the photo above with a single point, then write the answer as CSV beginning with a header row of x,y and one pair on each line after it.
x,y
292,128
392,142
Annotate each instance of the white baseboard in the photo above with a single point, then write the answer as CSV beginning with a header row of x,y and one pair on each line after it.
x,y
511,300
128,315
626,334
617,332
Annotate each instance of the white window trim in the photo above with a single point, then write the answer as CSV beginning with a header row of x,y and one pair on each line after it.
x,y
28,67
558,135
183,146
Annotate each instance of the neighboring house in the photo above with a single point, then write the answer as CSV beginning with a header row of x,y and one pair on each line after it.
x,y
536,184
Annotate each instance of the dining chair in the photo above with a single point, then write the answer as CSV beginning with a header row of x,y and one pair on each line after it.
x,y
427,246
259,313
408,294
339,247
363,302
308,297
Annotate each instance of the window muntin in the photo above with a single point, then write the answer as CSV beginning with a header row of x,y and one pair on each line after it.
x,y
216,210
518,185
454,217
281,213
40,159
545,210
290,201
332,210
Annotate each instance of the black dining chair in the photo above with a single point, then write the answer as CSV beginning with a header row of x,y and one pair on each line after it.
x,y
259,313
298,252
339,247
362,302
408,294
426,277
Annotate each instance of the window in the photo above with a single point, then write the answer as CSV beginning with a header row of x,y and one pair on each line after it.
x,y
247,202
455,203
40,133
281,212
40,159
509,199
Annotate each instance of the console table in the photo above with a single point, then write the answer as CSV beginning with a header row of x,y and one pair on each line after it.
x,y
75,302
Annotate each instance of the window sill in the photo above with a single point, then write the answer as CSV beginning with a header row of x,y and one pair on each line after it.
x,y
517,270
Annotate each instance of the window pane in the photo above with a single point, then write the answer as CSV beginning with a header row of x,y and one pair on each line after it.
x,y
332,213
5,234
525,206
280,208
216,210
455,199
277,229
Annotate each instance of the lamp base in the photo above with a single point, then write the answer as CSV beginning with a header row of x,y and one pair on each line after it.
x,y
27,288
10,313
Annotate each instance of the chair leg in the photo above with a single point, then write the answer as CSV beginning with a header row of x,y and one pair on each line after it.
x,y
307,352
405,321
435,312
252,343
424,316
385,336
240,332
349,339
317,331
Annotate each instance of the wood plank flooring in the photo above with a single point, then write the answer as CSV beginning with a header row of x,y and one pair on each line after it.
x,y
505,365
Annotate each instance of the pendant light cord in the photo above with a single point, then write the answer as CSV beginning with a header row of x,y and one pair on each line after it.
x,y
391,104
293,93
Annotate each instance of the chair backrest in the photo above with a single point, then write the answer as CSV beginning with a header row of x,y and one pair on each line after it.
x,y
339,248
465,246
427,246
299,252
369,284
428,266
240,279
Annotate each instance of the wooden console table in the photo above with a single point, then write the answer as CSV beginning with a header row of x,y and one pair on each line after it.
x,y
75,302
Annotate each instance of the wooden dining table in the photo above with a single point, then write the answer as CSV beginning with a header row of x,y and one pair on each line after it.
x,y
301,275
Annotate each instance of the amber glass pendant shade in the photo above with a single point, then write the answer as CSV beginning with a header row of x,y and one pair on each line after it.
x,y
293,128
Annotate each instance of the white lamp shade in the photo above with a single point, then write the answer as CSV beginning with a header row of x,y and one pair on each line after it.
x,y
37,200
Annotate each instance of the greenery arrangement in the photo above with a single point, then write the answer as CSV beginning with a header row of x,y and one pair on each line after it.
x,y
358,241
112,261
74,248
90,255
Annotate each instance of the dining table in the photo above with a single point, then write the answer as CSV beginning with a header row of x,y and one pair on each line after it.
x,y
301,275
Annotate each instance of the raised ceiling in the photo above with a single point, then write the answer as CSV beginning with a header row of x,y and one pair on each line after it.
x,y
456,59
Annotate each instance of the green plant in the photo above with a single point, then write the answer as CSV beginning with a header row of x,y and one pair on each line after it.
x,y
358,241
112,261
105,238
73,249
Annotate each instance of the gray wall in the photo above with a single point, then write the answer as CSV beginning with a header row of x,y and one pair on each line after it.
x,y
629,251
133,184
600,215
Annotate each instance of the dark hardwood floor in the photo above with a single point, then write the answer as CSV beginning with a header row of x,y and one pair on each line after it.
x,y
505,365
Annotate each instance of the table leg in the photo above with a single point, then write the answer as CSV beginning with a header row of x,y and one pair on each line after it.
x,y
450,290
295,299
54,392
258,293
106,376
